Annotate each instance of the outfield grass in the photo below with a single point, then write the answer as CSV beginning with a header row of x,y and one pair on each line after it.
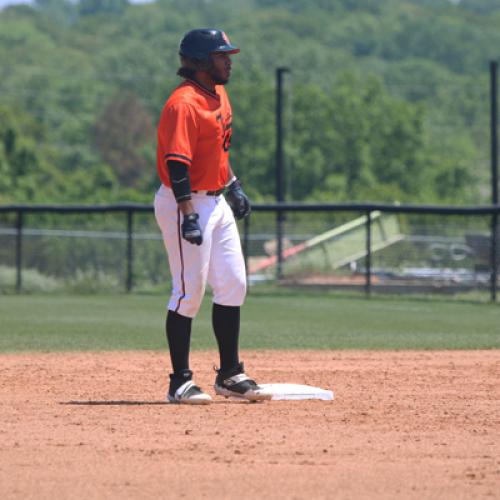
x,y
294,320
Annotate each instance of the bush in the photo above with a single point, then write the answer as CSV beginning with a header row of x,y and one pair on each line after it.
x,y
32,281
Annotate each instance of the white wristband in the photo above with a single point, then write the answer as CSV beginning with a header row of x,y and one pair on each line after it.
x,y
233,178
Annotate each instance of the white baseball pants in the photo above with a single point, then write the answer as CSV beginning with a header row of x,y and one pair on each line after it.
x,y
218,261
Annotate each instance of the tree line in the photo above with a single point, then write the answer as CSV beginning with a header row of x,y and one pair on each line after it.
x,y
386,101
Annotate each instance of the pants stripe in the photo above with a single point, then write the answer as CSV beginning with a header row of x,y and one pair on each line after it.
x,y
179,236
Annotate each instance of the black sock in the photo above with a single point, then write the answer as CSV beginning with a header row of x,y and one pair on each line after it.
x,y
226,324
179,337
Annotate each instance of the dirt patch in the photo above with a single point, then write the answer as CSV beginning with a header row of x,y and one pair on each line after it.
x,y
403,425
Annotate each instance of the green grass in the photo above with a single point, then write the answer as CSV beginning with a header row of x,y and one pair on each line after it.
x,y
270,320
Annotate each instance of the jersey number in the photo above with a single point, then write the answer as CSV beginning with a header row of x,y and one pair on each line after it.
x,y
226,142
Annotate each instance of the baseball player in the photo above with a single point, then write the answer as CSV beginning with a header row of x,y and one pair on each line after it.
x,y
197,222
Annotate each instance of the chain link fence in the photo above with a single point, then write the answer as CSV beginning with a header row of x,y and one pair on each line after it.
x,y
371,248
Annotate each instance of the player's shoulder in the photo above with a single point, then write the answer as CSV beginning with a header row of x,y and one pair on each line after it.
x,y
222,93
221,90
190,94
184,94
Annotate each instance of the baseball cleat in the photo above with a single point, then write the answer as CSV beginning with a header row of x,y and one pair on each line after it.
x,y
189,394
236,384
184,391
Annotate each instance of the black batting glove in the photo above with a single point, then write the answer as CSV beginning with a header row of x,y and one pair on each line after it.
x,y
191,230
238,200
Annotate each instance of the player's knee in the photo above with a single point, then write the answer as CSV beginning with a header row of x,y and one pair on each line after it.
x,y
233,293
240,290
187,304
189,310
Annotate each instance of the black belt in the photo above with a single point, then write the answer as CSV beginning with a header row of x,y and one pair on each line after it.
x,y
211,193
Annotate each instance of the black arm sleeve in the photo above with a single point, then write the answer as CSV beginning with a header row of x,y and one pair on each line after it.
x,y
179,179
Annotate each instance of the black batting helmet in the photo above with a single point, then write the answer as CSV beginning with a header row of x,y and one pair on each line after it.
x,y
200,43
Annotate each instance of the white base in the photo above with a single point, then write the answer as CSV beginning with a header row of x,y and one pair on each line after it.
x,y
297,392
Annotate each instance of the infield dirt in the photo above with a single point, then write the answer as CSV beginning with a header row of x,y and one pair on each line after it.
x,y
419,425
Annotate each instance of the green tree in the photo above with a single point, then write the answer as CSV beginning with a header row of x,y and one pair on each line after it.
x,y
25,175
253,141
61,12
122,129
93,7
386,100
350,142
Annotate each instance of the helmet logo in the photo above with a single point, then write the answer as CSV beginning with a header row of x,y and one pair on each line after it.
x,y
226,38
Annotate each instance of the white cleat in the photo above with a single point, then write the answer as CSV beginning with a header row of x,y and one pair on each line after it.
x,y
189,394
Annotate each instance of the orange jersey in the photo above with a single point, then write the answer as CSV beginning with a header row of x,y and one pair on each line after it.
x,y
195,128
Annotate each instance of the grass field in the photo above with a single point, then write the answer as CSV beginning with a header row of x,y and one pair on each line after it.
x,y
293,320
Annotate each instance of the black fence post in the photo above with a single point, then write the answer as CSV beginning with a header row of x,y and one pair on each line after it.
x,y
494,256
494,177
130,254
19,250
368,260
280,170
